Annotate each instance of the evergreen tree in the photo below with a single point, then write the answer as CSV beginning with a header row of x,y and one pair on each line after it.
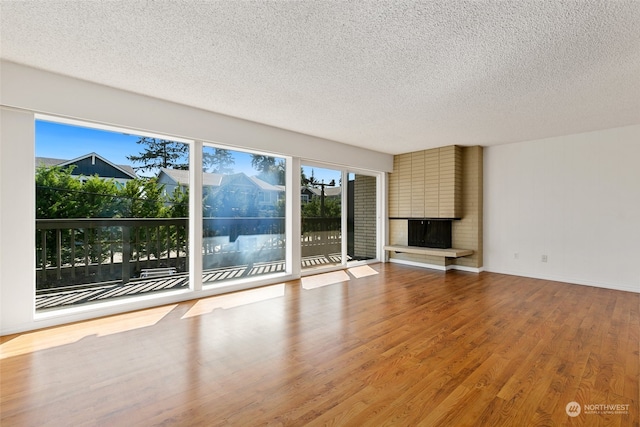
x,y
271,169
218,161
161,153
310,181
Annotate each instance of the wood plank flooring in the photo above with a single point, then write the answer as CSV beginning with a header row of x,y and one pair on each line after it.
x,y
397,346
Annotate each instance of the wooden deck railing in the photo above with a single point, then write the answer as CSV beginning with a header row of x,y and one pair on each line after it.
x,y
320,236
89,250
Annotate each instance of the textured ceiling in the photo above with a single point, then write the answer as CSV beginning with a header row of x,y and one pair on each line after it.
x,y
393,76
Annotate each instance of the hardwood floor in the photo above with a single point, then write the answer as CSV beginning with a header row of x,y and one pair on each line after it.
x,y
397,346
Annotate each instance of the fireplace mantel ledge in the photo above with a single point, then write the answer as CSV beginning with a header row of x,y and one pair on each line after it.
x,y
447,253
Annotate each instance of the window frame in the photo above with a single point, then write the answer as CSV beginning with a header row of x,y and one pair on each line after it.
x,y
195,288
380,214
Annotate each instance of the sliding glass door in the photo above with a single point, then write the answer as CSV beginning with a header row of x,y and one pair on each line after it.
x,y
362,217
321,217
339,217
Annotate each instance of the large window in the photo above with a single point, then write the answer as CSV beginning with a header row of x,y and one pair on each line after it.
x,y
243,209
108,223
117,216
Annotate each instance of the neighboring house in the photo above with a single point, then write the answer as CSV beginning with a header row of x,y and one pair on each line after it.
x,y
308,193
238,193
175,178
269,194
92,164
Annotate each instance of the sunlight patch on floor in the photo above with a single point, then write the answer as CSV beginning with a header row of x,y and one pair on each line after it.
x,y
325,279
29,342
362,271
235,299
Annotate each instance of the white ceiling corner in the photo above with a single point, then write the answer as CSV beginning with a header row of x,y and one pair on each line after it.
x,y
392,76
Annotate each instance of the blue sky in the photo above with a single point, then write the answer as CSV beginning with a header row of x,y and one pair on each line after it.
x,y
63,141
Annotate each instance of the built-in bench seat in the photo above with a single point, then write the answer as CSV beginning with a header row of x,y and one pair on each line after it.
x,y
447,253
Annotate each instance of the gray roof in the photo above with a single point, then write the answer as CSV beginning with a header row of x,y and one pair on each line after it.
x,y
265,185
50,161
328,191
182,177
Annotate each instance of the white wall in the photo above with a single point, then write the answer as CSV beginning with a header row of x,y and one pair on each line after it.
x,y
17,254
25,91
47,93
575,199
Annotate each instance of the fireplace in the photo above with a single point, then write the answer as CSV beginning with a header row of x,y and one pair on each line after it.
x,y
430,233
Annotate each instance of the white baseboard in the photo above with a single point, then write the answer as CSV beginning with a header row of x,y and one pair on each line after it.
x,y
465,268
569,280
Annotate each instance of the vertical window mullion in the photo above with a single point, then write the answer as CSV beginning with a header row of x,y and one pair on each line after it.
x,y
293,217
195,215
344,215
381,223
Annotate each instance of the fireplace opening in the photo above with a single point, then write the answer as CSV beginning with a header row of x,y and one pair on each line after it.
x,y
430,233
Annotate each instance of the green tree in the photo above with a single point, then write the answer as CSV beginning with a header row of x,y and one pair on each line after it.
x,y
332,208
308,181
211,204
62,195
280,208
98,198
231,202
178,203
55,190
59,194
218,161
141,198
271,169
161,153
